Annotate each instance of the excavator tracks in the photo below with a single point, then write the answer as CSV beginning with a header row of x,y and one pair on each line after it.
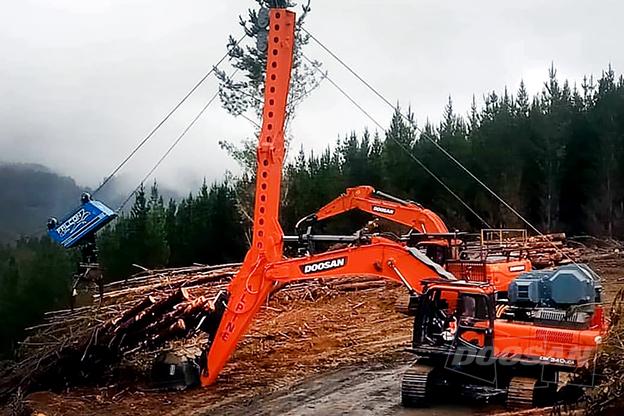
x,y
521,392
416,385
527,392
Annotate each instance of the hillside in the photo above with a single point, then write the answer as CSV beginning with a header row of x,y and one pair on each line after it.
x,y
31,193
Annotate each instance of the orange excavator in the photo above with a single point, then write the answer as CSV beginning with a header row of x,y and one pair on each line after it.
x,y
426,228
427,232
463,336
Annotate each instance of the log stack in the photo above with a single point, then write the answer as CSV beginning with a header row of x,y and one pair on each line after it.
x,y
551,250
132,322
548,250
142,313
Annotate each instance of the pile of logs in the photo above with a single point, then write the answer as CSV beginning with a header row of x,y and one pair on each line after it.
x,y
135,319
543,251
550,250
142,313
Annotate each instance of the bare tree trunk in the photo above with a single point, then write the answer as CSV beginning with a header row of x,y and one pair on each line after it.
x,y
609,207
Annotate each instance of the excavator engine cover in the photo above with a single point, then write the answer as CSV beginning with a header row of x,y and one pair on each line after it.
x,y
564,286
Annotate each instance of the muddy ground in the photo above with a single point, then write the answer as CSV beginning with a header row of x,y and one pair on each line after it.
x,y
368,389
338,354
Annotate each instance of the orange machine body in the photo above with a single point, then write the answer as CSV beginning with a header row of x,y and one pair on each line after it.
x,y
530,343
512,341
497,270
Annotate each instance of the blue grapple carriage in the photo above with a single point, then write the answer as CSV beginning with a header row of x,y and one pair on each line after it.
x,y
78,229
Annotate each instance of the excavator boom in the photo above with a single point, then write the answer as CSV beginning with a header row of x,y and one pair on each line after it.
x,y
367,199
250,287
382,258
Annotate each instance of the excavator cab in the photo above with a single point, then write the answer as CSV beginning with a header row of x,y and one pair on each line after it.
x,y
437,252
452,315
453,334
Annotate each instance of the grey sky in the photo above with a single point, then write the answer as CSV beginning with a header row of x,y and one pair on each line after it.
x,y
81,81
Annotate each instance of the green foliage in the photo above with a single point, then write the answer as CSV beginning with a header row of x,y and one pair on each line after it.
x,y
238,97
35,274
247,95
557,157
202,228
140,238
34,278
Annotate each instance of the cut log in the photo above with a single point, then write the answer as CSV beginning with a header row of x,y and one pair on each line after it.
x,y
148,315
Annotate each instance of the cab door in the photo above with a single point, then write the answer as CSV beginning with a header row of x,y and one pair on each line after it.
x,y
434,322
475,322
474,339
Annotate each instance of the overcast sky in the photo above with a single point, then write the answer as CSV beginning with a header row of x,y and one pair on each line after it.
x,y
82,81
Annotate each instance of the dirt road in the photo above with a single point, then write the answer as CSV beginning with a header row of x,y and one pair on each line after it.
x,y
362,390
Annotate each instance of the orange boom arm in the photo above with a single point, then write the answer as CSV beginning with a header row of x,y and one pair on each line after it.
x,y
381,258
250,287
365,198
264,264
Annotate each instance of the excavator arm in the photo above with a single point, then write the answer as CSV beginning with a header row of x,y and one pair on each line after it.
x,y
367,199
264,265
251,287
382,258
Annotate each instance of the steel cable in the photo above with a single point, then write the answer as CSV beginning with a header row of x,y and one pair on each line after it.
x,y
436,144
398,143
159,125
170,149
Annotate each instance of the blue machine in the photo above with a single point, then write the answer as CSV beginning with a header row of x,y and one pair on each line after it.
x,y
81,224
573,284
